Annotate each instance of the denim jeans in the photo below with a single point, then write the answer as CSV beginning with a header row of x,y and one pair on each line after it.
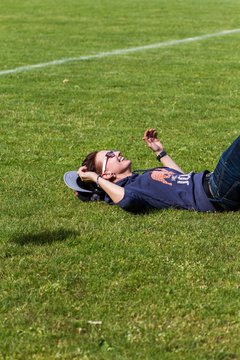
x,y
224,182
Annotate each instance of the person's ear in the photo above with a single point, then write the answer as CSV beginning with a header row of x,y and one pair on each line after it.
x,y
109,176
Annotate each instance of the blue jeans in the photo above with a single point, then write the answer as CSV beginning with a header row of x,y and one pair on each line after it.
x,y
224,182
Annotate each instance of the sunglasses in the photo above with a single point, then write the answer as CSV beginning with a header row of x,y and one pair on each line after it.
x,y
109,154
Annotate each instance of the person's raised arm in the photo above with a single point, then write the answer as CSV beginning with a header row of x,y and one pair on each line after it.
x,y
115,192
152,141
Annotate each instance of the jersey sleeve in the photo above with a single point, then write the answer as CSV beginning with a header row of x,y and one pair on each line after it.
x,y
132,202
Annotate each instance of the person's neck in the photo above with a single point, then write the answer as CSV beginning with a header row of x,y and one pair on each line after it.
x,y
123,175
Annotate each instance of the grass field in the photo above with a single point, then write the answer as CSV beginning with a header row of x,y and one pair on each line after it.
x,y
89,281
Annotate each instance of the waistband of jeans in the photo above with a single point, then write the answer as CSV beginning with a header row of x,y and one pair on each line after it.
x,y
206,188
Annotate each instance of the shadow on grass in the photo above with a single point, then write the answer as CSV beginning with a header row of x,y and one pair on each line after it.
x,y
43,237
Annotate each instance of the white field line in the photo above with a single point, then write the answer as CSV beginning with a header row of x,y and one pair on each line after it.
x,y
118,52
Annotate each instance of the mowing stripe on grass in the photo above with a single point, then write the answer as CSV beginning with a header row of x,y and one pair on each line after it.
x,y
118,52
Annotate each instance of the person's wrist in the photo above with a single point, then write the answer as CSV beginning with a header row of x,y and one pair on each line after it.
x,y
161,154
157,152
97,180
94,177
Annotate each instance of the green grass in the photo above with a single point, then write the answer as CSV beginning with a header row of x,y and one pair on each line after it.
x,y
89,281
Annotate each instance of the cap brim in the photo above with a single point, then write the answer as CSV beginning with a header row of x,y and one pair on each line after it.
x,y
70,178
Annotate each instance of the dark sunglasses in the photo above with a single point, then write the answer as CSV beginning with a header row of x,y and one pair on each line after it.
x,y
109,154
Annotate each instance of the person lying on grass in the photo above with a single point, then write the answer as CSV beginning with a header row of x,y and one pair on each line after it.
x,y
107,175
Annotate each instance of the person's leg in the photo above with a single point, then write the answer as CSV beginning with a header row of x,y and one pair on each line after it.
x,y
225,180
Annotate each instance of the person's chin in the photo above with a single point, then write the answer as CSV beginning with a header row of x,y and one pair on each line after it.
x,y
128,164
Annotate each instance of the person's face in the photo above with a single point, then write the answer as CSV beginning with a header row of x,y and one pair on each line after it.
x,y
112,161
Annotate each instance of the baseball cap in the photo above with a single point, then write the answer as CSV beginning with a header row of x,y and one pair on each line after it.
x,y
86,191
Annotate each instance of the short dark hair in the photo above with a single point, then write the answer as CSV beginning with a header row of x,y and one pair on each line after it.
x,y
90,161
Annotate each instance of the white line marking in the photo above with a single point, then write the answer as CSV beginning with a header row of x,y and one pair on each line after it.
x,y
118,52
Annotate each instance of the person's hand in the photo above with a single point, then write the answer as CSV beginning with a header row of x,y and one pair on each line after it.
x,y
152,141
85,175
108,175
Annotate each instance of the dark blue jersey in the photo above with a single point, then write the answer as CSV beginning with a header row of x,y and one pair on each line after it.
x,y
163,188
